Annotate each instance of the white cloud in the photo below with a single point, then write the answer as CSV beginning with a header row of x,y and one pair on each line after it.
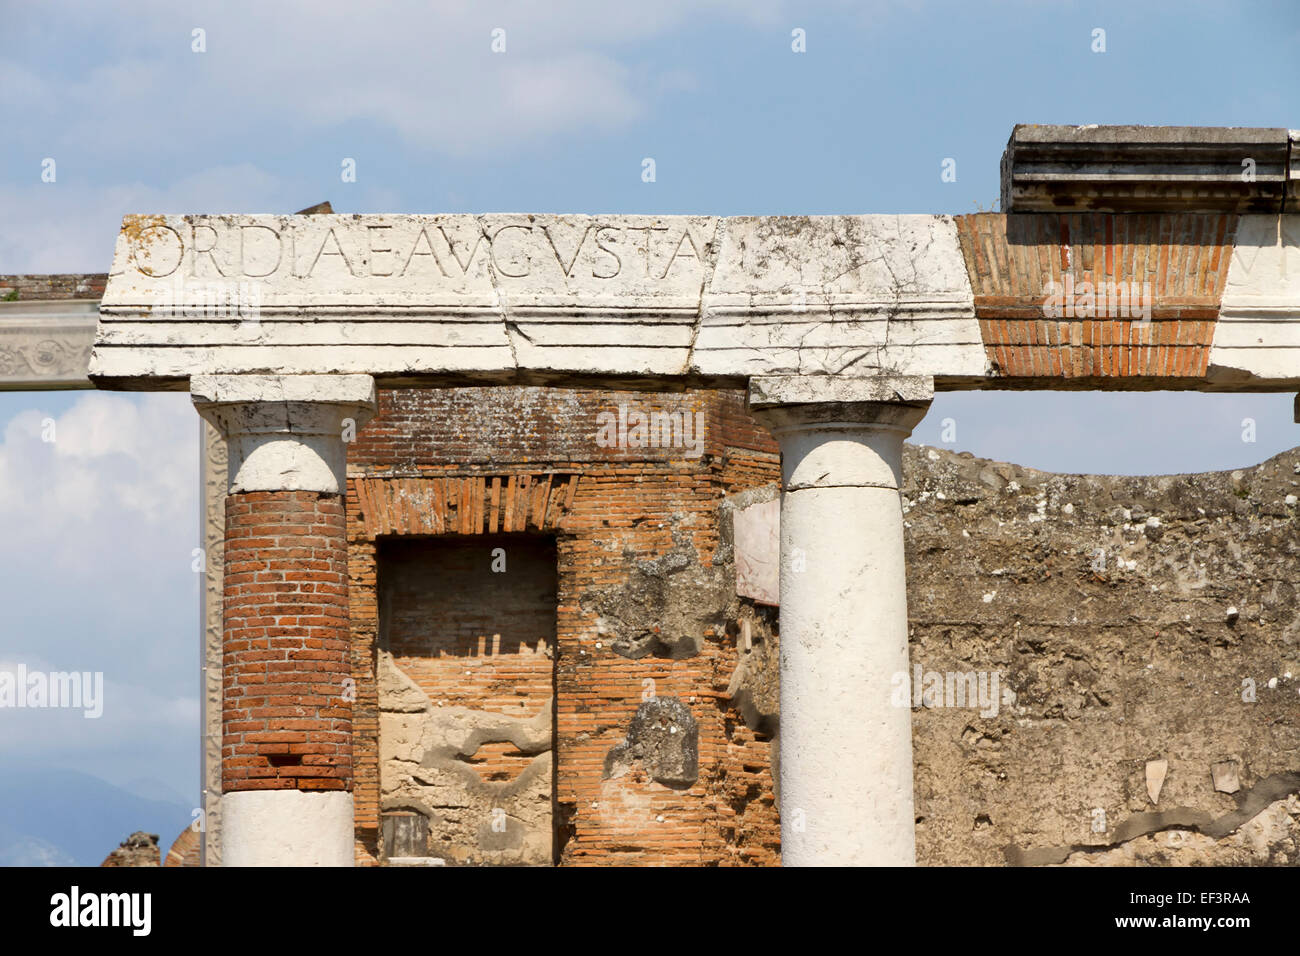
x,y
119,479
95,575
141,729
424,70
79,80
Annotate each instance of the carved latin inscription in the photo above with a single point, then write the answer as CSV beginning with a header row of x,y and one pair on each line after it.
x,y
500,295
430,248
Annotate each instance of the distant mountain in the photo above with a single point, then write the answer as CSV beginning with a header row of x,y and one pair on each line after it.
x,y
64,817
150,788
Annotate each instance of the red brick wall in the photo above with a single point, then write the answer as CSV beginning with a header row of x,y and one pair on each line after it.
x,y
186,850
417,430
620,518
629,506
363,612
734,432
470,636
69,286
1012,261
286,717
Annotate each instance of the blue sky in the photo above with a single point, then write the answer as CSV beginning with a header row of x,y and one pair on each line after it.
x,y
96,573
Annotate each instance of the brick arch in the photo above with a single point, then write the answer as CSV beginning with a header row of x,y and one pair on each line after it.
x,y
186,849
474,504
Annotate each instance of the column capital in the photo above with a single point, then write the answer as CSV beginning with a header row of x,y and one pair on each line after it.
x,y
286,432
771,391
840,431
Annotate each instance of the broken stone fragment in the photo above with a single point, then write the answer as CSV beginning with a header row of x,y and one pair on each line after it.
x,y
1225,776
664,606
664,739
1156,771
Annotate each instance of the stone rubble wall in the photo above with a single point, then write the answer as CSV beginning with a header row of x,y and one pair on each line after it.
x,y
1127,618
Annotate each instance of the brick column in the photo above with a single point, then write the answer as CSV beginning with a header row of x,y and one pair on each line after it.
x,y
286,757
846,749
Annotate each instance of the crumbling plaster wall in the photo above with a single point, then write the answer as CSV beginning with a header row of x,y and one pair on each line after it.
x,y
424,753
1131,621
466,694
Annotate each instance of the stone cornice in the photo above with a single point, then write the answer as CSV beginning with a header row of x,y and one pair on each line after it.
x,y
511,297
1039,300
46,344
1149,169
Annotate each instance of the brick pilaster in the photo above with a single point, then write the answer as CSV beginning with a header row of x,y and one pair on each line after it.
x,y
287,711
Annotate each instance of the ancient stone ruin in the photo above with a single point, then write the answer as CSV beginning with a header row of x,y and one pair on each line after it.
x,y
139,849
594,539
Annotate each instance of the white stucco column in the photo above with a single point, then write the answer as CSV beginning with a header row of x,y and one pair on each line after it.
x,y
286,748
846,749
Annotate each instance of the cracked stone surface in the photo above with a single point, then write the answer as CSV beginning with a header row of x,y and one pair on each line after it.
x,y
534,296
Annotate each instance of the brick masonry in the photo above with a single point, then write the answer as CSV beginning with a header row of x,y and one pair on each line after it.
x,y
989,789
186,849
473,637
432,457
287,717
1013,260
25,288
